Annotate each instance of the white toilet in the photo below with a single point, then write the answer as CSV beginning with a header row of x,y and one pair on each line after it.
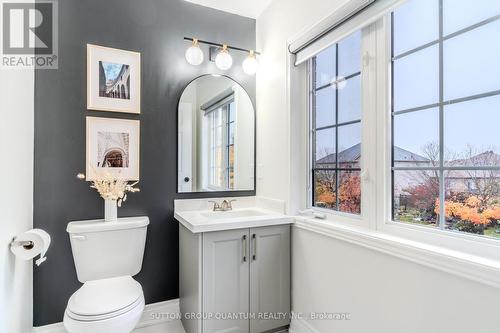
x,y
106,255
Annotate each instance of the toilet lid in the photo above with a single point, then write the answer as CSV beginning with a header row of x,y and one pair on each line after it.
x,y
105,296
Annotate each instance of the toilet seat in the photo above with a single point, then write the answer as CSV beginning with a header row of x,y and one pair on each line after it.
x,y
110,315
105,299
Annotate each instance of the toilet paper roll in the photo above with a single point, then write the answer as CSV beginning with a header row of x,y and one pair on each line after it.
x,y
41,242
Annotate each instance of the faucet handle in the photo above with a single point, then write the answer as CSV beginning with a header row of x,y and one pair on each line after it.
x,y
216,205
229,205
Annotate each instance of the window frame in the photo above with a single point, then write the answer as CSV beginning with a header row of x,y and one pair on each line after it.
x,y
230,120
337,125
367,161
376,161
225,145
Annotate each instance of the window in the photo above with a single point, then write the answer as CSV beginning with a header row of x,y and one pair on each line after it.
x,y
404,137
230,125
336,126
221,141
445,115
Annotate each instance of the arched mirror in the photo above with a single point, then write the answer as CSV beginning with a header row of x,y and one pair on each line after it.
x,y
216,137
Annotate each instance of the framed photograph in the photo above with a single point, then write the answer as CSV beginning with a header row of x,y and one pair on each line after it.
x,y
113,79
113,144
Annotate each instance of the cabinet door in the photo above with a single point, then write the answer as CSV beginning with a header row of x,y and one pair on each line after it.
x,y
225,280
269,277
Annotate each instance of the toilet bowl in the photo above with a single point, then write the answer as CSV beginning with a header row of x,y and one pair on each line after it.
x,y
111,305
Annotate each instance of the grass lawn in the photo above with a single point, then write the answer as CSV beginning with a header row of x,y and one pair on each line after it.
x,y
492,233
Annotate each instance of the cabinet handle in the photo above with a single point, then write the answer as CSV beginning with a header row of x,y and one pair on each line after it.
x,y
254,238
245,246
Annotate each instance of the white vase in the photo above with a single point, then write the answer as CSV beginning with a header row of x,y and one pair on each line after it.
x,y
110,210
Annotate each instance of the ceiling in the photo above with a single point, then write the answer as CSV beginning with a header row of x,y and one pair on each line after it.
x,y
248,8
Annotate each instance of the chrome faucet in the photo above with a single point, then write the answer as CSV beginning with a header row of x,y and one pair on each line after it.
x,y
225,205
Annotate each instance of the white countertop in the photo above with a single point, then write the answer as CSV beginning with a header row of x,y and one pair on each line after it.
x,y
248,212
198,221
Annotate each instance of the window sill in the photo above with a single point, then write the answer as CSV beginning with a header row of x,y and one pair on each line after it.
x,y
471,267
336,217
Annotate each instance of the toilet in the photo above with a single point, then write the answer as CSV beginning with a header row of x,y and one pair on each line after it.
x,y
107,255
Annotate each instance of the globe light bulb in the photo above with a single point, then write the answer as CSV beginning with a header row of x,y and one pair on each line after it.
x,y
194,55
250,64
223,60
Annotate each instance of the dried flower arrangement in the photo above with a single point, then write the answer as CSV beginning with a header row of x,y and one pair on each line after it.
x,y
110,187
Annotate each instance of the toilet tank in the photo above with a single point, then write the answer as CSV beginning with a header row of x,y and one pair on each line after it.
x,y
108,249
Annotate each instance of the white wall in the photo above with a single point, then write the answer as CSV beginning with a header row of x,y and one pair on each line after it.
x,y
16,196
382,293
278,24
189,96
244,140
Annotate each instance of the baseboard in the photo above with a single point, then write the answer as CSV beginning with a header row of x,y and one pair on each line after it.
x,y
301,326
162,312
52,328
154,314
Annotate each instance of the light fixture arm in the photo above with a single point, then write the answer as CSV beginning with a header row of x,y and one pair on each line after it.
x,y
199,41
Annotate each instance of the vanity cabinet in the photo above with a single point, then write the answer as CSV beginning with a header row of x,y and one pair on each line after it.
x,y
237,279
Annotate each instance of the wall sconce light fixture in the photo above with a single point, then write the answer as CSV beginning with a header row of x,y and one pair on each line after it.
x,y
223,60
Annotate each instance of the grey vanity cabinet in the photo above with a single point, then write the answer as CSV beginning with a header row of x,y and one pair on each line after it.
x,y
242,271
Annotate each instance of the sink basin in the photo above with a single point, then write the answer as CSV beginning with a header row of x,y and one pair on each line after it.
x,y
231,214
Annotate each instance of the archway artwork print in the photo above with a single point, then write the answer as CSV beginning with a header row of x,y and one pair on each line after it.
x,y
113,150
114,80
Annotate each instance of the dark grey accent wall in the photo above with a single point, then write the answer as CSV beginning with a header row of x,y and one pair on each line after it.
x,y
156,29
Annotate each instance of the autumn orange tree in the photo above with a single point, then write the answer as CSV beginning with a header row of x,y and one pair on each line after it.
x,y
325,188
350,194
349,191
470,214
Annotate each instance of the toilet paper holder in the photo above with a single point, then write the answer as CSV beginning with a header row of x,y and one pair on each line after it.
x,y
28,245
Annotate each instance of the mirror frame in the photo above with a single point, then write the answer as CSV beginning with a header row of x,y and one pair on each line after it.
x,y
214,194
